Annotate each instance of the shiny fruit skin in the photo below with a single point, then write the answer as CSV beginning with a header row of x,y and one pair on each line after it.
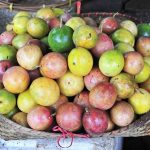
x,y
143,30
68,116
16,79
40,118
53,65
70,84
103,96
85,36
80,61
7,101
95,121
45,91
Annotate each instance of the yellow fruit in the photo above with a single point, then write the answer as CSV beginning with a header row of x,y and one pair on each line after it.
x,y
140,101
85,36
80,61
70,84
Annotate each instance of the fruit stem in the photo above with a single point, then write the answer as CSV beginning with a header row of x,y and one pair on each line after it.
x,y
115,14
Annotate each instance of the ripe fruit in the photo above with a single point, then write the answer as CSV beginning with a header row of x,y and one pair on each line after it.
x,y
80,61
7,101
134,63
95,121
45,91
143,46
68,116
66,16
40,118
94,77
20,118
53,65
37,27
109,25
147,60
140,101
22,14
124,85
85,36
123,35
111,63
143,75
111,125
16,79
60,39
122,114
82,99
53,22
103,44
130,26
70,84
75,22
26,102
29,56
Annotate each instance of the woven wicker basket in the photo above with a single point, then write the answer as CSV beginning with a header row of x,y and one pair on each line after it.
x,y
10,130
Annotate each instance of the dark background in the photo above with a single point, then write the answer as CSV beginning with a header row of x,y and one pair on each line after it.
x,y
136,8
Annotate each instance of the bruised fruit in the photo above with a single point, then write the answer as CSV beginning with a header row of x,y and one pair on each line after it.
x,y
122,114
68,116
94,77
40,118
53,65
16,79
95,121
103,96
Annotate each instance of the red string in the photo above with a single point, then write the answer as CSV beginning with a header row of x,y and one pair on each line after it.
x,y
78,7
66,134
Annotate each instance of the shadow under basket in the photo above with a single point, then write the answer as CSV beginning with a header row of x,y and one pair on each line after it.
x,y
9,130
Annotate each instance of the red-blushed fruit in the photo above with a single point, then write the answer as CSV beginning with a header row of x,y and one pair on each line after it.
x,y
122,114
53,65
66,16
53,22
4,65
34,74
103,44
82,99
6,37
103,96
62,99
109,25
143,46
68,116
16,79
90,21
93,78
95,121
40,118
134,63
111,125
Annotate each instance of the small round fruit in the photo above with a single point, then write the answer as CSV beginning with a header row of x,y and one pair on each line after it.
x,y
16,79
147,60
40,118
68,116
20,118
80,61
123,35
75,22
124,85
130,26
37,27
95,121
134,63
26,102
122,114
143,30
85,36
111,125
7,101
143,75
90,21
103,96
146,85
111,63
45,91
94,77
29,56
12,113
70,84
53,65
22,14
140,101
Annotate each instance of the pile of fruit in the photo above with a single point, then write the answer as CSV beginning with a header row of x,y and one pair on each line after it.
x,y
74,72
